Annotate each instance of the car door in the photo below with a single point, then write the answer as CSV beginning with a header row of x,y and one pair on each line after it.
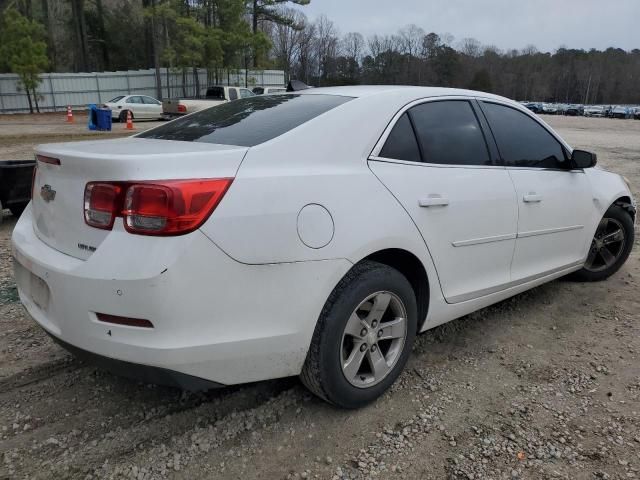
x,y
554,200
153,108
436,161
136,106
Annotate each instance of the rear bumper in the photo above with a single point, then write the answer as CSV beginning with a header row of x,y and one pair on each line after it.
x,y
143,373
213,318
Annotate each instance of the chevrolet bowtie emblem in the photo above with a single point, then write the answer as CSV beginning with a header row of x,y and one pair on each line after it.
x,y
47,193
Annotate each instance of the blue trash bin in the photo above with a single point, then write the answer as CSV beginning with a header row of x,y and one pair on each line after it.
x,y
104,119
93,117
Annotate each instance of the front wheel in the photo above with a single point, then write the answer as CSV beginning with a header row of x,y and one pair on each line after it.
x,y
610,247
363,338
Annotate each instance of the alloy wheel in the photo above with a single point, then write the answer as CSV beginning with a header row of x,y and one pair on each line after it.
x,y
607,245
373,339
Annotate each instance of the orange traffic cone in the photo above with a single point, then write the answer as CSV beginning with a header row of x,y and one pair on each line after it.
x,y
69,114
129,121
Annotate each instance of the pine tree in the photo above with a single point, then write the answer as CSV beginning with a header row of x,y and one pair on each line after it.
x,y
23,50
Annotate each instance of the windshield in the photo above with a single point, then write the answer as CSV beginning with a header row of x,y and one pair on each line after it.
x,y
248,121
116,99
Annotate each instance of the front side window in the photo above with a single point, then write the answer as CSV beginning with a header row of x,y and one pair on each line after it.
x,y
244,93
449,133
248,121
401,143
522,141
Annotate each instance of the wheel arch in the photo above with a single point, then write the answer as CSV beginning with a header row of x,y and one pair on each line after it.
x,y
413,269
626,203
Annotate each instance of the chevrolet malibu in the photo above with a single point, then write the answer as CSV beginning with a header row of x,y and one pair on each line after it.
x,y
311,233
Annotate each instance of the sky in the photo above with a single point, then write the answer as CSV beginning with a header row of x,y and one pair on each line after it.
x,y
547,24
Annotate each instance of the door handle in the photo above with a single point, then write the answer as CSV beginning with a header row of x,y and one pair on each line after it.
x,y
433,201
532,197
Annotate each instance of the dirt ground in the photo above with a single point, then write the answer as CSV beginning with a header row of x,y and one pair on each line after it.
x,y
545,385
21,132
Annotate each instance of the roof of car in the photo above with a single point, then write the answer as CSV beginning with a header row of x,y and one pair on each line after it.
x,y
409,91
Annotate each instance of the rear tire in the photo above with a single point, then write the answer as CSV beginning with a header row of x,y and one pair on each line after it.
x,y
363,338
610,246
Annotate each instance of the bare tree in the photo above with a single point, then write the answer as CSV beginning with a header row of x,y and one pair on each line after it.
x,y
286,37
353,46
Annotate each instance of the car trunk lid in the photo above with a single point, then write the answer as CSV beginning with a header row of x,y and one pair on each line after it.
x,y
58,198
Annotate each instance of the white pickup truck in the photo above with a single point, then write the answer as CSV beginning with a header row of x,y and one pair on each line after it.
x,y
215,95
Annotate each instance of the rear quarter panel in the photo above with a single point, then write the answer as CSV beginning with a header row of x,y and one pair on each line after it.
x,y
323,161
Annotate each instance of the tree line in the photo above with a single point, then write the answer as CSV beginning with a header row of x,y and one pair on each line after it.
x,y
182,35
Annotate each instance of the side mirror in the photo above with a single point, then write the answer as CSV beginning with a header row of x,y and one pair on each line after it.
x,y
583,159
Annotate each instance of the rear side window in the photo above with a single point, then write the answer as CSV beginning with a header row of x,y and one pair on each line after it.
x,y
449,133
150,101
401,143
522,141
134,100
233,95
248,121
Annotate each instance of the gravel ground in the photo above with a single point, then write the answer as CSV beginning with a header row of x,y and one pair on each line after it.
x,y
545,385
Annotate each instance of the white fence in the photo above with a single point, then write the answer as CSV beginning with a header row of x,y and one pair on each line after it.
x,y
58,90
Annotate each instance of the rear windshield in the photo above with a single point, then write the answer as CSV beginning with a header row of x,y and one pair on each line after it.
x,y
215,93
248,121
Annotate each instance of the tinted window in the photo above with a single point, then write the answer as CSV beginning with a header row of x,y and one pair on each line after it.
x,y
522,141
215,93
401,143
233,95
449,133
247,122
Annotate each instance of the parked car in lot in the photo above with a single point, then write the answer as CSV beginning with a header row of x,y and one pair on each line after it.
x,y
534,107
15,185
574,110
620,111
636,113
268,90
549,108
142,107
594,111
238,244
215,95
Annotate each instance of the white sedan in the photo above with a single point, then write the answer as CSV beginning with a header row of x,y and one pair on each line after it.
x,y
311,233
142,107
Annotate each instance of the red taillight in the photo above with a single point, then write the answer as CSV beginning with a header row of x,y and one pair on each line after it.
x,y
168,207
102,204
182,108
49,160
